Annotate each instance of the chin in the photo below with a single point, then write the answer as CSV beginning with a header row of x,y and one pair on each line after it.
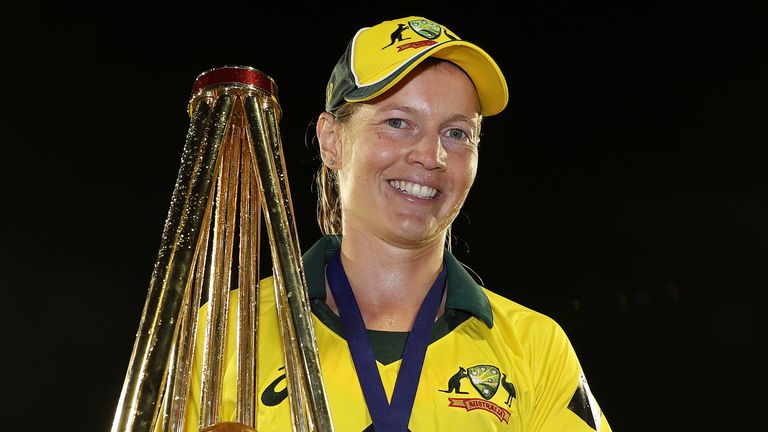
x,y
419,234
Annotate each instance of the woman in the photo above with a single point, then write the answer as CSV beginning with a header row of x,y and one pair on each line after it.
x,y
407,339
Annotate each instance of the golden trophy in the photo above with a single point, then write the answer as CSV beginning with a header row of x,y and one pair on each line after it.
x,y
232,173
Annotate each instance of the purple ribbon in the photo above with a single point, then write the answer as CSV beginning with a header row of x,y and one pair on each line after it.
x,y
386,417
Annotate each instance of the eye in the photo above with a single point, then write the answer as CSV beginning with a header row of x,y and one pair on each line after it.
x,y
457,134
396,123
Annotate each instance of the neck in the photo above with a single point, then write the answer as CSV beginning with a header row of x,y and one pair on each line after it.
x,y
389,281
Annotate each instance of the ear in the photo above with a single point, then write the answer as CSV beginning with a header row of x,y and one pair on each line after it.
x,y
329,140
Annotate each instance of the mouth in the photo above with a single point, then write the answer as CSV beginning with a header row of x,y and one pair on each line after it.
x,y
414,189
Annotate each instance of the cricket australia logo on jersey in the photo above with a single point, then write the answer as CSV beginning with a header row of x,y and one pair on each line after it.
x,y
486,381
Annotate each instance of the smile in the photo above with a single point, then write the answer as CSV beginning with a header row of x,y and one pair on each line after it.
x,y
415,189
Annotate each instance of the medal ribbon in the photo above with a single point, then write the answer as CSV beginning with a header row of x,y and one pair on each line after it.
x,y
386,417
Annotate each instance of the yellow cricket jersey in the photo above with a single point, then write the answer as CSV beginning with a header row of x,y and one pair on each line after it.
x,y
492,364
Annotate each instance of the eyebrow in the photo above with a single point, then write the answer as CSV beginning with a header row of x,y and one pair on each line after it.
x,y
412,110
404,108
460,117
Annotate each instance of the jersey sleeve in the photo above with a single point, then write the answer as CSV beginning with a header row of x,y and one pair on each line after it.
x,y
564,401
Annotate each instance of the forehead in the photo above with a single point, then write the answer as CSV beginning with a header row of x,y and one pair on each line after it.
x,y
436,86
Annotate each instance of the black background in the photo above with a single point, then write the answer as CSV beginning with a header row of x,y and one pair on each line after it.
x,y
622,192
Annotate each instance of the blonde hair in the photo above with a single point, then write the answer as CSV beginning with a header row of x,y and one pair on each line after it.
x,y
327,180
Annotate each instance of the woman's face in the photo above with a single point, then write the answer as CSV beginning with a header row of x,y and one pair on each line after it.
x,y
409,157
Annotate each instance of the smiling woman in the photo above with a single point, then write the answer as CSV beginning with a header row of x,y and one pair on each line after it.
x,y
407,340
405,161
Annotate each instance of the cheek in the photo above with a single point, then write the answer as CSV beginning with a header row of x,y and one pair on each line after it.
x,y
467,170
361,169
372,158
472,168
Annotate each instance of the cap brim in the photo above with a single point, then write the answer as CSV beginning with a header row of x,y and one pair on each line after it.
x,y
488,79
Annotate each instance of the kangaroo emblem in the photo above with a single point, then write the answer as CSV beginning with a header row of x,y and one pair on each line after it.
x,y
397,35
454,383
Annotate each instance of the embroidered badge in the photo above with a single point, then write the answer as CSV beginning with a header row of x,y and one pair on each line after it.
x,y
486,380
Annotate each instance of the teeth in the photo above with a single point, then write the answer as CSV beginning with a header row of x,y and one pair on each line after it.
x,y
415,189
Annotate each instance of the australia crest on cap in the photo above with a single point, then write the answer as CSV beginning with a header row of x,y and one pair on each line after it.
x,y
426,28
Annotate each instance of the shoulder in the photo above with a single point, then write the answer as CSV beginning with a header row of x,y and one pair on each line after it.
x,y
526,327
510,312
539,339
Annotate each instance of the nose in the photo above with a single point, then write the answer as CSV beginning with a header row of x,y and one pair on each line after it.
x,y
428,152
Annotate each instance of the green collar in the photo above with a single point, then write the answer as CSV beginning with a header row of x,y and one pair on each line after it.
x,y
464,293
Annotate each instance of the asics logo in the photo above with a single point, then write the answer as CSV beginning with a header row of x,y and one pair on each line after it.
x,y
269,396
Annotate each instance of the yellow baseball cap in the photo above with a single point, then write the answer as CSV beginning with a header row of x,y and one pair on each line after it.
x,y
380,56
